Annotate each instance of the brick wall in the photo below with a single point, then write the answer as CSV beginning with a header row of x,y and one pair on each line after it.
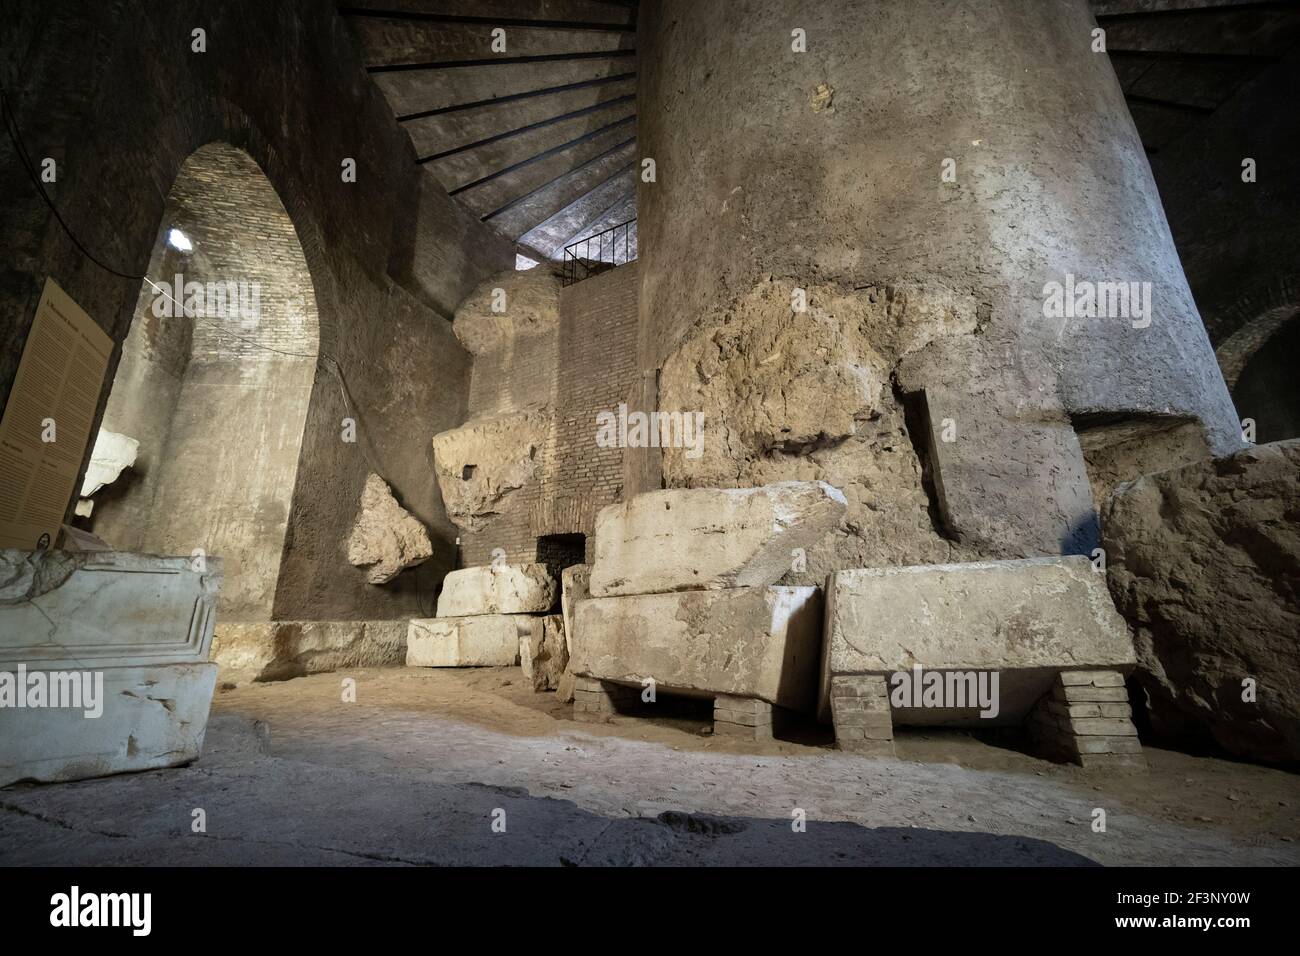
x,y
590,370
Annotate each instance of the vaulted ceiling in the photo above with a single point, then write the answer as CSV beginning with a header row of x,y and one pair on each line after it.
x,y
538,140
1181,60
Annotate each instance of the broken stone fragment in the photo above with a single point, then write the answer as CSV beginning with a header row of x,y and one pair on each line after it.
x,y
497,589
690,538
1204,561
762,642
542,652
508,305
488,640
575,583
386,537
481,464
112,453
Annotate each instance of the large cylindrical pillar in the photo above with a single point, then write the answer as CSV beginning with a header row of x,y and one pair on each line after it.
x,y
913,259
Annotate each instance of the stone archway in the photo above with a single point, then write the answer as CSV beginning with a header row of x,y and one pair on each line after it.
x,y
214,382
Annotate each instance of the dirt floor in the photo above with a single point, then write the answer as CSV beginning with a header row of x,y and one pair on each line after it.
x,y
428,765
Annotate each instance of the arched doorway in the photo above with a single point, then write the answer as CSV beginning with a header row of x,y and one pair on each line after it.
x,y
1266,390
214,382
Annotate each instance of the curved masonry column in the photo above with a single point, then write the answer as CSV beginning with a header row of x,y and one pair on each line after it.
x,y
929,342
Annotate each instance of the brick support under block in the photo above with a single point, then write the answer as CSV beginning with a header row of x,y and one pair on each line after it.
x,y
745,717
595,700
860,713
1085,719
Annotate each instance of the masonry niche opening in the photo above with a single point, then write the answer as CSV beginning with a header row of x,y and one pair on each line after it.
x,y
560,551
214,382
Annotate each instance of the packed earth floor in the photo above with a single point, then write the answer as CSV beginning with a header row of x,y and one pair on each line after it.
x,y
430,766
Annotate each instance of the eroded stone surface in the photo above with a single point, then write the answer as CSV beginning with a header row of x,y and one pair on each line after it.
x,y
483,462
497,589
386,538
807,396
1204,561
759,642
1026,619
529,304
542,652
489,640
681,539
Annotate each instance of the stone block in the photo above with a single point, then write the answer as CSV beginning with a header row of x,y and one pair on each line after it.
x,y
482,465
280,650
386,538
742,642
574,587
487,640
497,589
130,634
153,716
542,652
1026,619
692,538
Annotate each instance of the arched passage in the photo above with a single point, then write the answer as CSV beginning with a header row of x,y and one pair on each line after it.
x,y
214,382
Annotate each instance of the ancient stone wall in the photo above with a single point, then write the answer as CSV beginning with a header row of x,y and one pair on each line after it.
x,y
390,257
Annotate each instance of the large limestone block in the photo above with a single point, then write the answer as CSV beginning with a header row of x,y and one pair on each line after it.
x,y
386,537
482,464
761,642
497,589
575,586
1204,561
684,539
280,650
151,716
542,652
489,640
1027,619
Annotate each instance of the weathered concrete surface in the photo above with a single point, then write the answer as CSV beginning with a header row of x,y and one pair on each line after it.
x,y
542,652
387,539
575,586
152,716
489,640
685,539
138,628
1025,619
497,589
111,454
280,650
1204,561
483,462
506,306
743,642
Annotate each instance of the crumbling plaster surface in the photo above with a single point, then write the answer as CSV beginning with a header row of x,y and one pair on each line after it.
x,y
285,84
752,182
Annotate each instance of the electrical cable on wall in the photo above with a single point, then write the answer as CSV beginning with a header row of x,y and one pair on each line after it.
x,y
328,361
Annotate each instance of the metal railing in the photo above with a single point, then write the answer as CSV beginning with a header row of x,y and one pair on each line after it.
x,y
599,253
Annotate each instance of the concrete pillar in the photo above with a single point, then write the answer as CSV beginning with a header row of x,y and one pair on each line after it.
x,y
923,172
